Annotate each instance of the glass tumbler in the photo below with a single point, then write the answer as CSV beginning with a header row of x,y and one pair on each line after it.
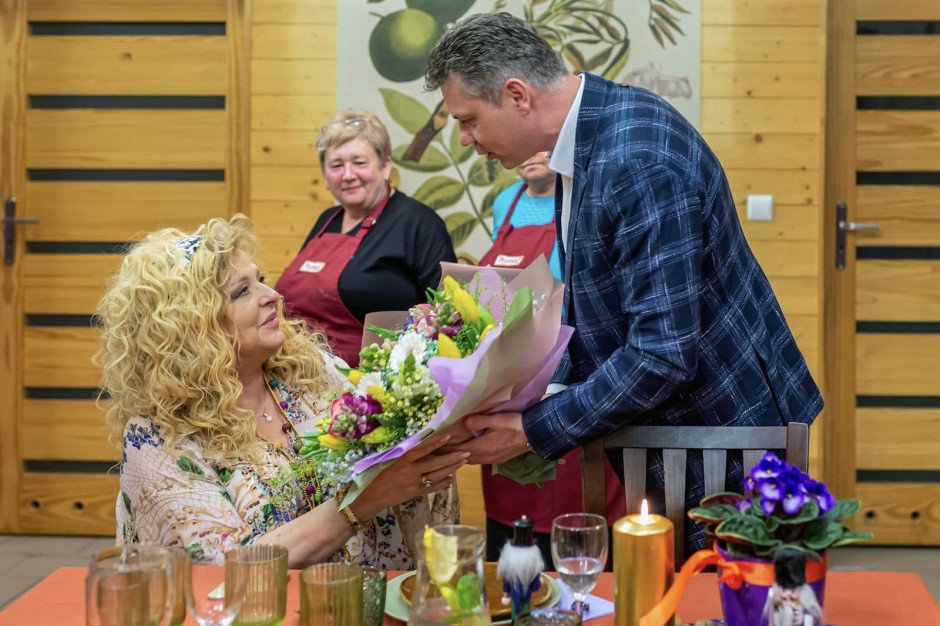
x,y
374,581
548,617
258,573
331,595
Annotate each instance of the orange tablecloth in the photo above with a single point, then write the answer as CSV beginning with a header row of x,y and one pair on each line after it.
x,y
852,599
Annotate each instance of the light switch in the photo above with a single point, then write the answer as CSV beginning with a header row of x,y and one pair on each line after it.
x,y
760,208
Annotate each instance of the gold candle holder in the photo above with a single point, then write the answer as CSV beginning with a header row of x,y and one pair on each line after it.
x,y
643,564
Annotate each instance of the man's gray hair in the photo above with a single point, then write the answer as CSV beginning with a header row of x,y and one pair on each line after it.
x,y
485,50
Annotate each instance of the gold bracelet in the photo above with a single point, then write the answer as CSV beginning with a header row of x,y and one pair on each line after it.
x,y
351,519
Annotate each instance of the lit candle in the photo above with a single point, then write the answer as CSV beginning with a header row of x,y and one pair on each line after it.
x,y
643,564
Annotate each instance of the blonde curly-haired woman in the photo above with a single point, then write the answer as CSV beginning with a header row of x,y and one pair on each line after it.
x,y
209,388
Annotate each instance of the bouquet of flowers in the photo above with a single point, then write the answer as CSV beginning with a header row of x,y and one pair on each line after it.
x,y
484,346
782,507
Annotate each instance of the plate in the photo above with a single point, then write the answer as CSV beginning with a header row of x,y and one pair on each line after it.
x,y
494,591
396,607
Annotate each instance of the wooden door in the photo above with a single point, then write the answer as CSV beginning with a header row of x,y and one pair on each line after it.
x,y
883,308
119,117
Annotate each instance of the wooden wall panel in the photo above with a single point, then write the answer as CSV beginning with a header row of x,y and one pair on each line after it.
x,y
66,430
897,10
897,65
787,258
789,187
781,44
295,12
905,215
293,41
118,211
763,115
285,147
126,11
791,223
797,296
894,364
897,291
761,80
761,12
898,140
307,113
293,76
66,283
113,65
890,439
74,504
60,357
128,139
888,512
767,152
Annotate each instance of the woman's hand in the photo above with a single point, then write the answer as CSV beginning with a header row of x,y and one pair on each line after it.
x,y
420,471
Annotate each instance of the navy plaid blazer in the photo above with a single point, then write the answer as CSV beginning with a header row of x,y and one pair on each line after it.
x,y
675,322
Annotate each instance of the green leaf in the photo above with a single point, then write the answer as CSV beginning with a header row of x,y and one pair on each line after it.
x,y
460,225
188,465
457,152
810,554
598,59
574,57
619,60
852,537
374,1
659,38
407,112
808,513
724,497
821,534
226,496
439,192
225,474
675,5
267,511
484,171
433,160
713,514
772,524
127,502
843,509
468,592
745,530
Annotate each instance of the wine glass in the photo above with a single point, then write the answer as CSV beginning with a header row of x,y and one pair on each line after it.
x,y
579,551
208,600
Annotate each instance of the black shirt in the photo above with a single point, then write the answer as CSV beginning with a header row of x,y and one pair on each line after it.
x,y
396,261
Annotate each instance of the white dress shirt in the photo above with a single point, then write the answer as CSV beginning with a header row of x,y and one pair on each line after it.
x,y
562,161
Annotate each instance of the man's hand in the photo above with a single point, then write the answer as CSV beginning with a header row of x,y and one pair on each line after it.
x,y
501,439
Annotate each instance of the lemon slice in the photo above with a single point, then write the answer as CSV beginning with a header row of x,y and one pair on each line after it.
x,y
440,552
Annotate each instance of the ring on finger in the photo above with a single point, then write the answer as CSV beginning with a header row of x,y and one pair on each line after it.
x,y
427,481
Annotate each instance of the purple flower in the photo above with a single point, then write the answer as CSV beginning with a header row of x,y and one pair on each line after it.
x,y
769,489
794,496
768,467
744,505
352,416
768,506
818,490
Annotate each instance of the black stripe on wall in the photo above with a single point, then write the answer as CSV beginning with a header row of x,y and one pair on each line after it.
x,y
180,176
897,103
897,178
71,467
897,253
75,321
127,102
78,247
62,393
897,476
126,28
897,28
903,328
897,402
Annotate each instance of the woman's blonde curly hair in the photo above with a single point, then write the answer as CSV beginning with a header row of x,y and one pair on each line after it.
x,y
166,355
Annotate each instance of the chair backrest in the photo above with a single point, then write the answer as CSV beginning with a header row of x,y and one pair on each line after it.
x,y
675,441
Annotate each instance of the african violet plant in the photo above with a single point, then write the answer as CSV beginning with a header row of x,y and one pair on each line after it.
x,y
782,506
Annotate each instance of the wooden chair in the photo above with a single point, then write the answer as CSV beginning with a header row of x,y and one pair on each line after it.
x,y
675,441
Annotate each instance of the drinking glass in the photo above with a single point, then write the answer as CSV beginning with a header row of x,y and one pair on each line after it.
x,y
548,617
457,596
121,572
373,596
211,601
331,595
258,574
579,551
182,565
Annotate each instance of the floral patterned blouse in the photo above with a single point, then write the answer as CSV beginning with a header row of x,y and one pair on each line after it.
x,y
187,500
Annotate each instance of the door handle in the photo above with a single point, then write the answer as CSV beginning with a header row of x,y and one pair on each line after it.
x,y
843,226
10,220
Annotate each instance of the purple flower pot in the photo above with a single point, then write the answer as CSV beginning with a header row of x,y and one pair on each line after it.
x,y
745,606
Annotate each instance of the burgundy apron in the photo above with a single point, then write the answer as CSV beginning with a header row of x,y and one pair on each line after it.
x,y
518,247
507,500
310,285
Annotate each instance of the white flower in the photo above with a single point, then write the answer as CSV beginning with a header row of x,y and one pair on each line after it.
x,y
409,343
368,380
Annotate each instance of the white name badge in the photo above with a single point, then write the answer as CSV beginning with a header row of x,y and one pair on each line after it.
x,y
506,260
312,267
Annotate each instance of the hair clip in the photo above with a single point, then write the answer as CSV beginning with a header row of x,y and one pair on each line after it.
x,y
189,245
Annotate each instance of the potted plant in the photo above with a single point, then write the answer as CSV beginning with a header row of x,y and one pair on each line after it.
x,y
782,507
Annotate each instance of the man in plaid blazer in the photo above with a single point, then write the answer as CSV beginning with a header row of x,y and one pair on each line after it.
x,y
675,323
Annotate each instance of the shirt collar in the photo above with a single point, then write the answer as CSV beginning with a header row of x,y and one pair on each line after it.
x,y
562,161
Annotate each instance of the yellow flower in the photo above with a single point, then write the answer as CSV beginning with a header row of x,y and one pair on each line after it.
x,y
354,376
446,347
323,424
379,435
467,306
488,328
333,442
450,285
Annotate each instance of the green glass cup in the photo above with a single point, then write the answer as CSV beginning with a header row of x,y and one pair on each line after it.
x,y
548,617
182,564
331,595
258,575
374,581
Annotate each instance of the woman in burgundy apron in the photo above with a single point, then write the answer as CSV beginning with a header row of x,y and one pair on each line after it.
x,y
379,250
517,247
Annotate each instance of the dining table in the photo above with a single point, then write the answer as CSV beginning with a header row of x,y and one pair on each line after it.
x,y
865,598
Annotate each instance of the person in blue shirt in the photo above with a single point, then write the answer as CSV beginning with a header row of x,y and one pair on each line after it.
x,y
530,229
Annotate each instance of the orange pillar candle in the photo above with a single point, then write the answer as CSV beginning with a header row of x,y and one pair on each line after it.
x,y
643,564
